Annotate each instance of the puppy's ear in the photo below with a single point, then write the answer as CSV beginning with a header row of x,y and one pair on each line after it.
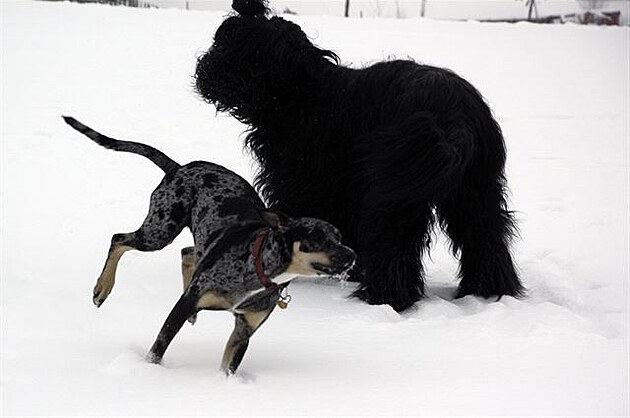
x,y
250,7
274,219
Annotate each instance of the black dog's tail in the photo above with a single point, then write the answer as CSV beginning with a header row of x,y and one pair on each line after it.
x,y
157,156
426,164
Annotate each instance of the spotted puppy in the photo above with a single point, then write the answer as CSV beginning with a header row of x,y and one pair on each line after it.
x,y
244,254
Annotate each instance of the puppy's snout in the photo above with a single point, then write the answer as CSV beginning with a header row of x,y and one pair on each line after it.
x,y
344,258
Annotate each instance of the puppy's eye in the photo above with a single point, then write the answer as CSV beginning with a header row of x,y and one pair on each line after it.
x,y
306,247
310,246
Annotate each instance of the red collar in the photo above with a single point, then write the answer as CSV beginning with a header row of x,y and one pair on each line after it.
x,y
257,249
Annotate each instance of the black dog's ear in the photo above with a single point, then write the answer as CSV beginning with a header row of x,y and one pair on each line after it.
x,y
274,219
250,7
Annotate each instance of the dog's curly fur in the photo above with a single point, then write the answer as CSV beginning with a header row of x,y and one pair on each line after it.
x,y
384,153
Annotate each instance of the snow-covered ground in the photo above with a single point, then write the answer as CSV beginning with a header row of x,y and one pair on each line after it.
x,y
561,94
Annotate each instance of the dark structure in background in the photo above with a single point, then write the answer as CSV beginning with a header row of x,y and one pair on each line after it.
x,y
128,3
591,17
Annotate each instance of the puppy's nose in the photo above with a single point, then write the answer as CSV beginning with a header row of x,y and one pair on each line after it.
x,y
346,257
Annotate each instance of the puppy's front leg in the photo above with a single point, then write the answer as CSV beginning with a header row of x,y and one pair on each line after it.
x,y
245,326
184,308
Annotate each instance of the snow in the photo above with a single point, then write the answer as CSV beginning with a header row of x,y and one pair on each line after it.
x,y
561,94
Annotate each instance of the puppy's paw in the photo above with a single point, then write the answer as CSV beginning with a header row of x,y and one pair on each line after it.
x,y
102,289
151,357
192,319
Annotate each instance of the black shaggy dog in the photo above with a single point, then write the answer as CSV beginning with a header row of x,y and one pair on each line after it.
x,y
384,153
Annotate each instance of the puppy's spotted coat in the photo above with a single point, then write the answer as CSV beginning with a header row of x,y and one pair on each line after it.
x,y
244,255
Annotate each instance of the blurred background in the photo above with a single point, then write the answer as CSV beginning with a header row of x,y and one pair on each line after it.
x,y
600,12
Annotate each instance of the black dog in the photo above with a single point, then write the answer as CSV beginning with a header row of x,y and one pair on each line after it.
x,y
245,255
384,153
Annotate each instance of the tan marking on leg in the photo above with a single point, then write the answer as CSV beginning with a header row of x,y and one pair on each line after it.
x,y
239,335
106,280
246,325
210,300
301,262
188,268
255,319
228,353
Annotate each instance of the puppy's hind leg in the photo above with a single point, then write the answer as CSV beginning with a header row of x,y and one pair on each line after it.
x,y
153,235
188,268
188,265
245,326
120,244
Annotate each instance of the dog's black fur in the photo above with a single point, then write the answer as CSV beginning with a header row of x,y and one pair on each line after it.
x,y
244,254
384,152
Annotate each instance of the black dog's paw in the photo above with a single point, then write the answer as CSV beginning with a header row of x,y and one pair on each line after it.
x,y
372,297
515,290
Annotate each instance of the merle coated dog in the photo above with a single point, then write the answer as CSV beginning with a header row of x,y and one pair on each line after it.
x,y
384,152
244,255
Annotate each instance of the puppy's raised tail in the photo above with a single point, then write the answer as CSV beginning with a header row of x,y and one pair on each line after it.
x,y
158,157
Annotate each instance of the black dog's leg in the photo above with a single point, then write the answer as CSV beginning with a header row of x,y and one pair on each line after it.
x,y
405,165
481,230
183,309
392,244
245,326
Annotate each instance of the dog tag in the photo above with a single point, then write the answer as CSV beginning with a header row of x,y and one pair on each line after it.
x,y
282,304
